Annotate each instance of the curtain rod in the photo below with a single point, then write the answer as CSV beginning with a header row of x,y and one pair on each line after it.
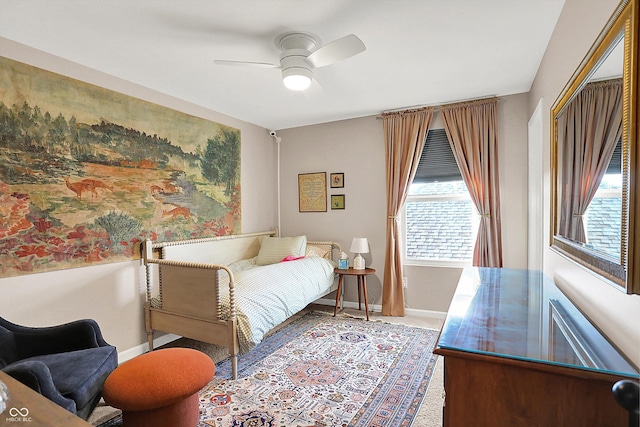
x,y
413,107
436,108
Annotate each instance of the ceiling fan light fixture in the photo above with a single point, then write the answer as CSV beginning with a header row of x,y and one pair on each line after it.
x,y
301,53
296,78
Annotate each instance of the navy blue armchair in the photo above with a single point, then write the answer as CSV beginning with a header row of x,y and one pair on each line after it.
x,y
68,363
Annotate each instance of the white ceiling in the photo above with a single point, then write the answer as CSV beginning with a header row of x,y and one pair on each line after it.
x,y
419,52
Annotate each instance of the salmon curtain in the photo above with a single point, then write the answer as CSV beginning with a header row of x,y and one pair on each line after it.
x,y
405,133
588,131
472,129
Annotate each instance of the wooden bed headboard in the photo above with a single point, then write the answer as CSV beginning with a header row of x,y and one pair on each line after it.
x,y
222,250
214,253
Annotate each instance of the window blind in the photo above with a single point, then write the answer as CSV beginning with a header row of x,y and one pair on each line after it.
x,y
615,164
436,161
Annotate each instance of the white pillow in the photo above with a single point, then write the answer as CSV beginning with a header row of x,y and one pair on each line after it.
x,y
316,251
242,265
274,249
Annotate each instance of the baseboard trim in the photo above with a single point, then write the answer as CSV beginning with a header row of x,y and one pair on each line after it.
x,y
123,356
378,308
325,301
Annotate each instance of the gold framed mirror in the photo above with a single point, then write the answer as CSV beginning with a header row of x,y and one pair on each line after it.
x,y
594,156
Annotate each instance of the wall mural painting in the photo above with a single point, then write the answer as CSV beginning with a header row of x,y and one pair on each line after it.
x,y
86,173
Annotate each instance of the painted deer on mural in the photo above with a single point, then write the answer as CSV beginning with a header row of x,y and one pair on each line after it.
x,y
155,189
86,185
95,183
176,212
79,187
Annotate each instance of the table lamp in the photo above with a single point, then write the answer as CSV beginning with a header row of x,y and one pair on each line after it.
x,y
359,245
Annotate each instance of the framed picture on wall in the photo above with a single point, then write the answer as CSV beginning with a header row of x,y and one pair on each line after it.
x,y
337,201
337,180
312,192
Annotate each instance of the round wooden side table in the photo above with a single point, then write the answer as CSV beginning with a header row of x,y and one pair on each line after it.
x,y
362,286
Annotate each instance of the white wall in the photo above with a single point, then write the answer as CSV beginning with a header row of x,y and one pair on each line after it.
x,y
356,147
615,313
113,294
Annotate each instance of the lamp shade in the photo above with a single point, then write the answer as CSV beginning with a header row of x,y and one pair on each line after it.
x,y
296,72
297,81
360,245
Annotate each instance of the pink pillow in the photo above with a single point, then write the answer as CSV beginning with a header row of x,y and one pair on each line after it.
x,y
291,258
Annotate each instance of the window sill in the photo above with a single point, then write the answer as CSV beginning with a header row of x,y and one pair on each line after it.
x,y
436,263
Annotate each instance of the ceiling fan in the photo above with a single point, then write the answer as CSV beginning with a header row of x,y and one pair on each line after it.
x,y
301,53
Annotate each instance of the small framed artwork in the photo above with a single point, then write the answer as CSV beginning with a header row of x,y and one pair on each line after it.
x,y
337,201
337,180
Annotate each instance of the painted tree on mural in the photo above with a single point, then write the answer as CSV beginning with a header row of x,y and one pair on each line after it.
x,y
221,159
27,131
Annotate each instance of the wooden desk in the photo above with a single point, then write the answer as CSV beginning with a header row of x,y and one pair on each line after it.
x,y
28,408
362,283
518,353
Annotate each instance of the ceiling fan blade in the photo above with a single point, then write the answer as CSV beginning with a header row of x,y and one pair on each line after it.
x,y
245,63
337,50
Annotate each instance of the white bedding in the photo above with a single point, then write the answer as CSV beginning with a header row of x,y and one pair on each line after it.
x,y
268,295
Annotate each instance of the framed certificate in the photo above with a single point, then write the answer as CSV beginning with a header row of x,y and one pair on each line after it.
x,y
312,192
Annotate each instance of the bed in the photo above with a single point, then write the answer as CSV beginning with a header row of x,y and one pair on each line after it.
x,y
231,290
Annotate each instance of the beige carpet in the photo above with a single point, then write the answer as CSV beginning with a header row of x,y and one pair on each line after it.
x,y
430,414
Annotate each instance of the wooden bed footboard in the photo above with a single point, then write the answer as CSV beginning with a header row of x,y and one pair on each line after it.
x,y
189,305
188,302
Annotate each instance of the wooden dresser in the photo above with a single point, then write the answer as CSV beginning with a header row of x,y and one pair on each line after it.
x,y
28,408
517,352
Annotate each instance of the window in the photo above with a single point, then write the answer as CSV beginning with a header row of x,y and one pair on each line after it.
x,y
441,221
603,217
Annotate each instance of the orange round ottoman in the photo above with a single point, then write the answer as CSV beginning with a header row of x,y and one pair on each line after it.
x,y
160,388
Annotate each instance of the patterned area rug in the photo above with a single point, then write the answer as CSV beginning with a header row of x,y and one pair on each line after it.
x,y
325,371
